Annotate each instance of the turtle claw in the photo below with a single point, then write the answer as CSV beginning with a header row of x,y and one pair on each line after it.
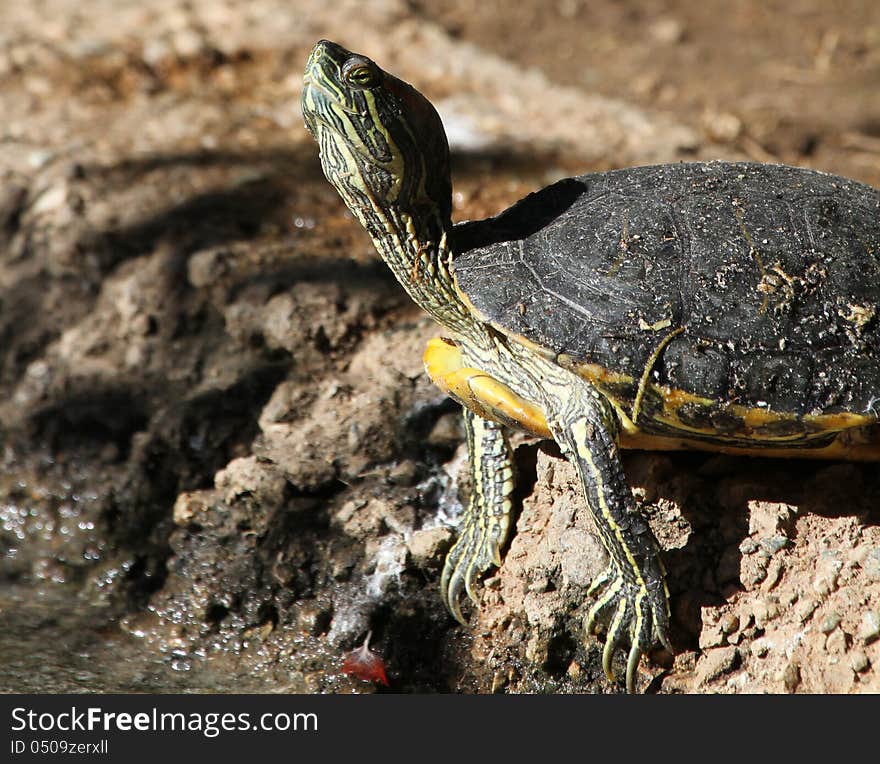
x,y
470,556
451,585
641,616
450,591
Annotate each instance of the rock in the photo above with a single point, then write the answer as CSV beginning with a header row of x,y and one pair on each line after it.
x,y
361,519
870,627
208,267
836,643
858,661
403,473
765,610
729,623
761,647
51,201
312,618
426,546
829,622
667,30
248,476
189,505
870,563
721,126
827,573
791,677
805,609
447,431
717,662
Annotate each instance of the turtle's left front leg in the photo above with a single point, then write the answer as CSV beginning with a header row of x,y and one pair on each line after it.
x,y
632,587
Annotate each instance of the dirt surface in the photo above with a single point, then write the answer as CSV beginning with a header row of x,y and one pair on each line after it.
x,y
221,463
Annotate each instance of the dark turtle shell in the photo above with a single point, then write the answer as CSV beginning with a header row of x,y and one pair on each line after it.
x,y
770,274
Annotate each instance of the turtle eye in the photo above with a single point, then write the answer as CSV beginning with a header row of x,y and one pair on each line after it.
x,y
361,74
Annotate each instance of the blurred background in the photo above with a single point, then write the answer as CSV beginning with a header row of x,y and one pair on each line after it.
x,y
220,461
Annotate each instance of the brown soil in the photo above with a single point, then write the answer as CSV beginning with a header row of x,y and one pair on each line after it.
x,y
219,451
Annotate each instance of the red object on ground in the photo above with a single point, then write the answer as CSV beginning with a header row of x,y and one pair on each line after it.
x,y
363,663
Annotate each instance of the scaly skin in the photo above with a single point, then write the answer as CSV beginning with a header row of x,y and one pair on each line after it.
x,y
487,518
384,149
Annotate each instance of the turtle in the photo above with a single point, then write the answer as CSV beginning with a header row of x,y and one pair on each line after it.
x,y
720,306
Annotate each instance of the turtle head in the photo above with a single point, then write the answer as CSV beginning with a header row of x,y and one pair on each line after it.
x,y
382,143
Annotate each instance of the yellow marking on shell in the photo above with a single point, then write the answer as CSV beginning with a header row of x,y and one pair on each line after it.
x,y
752,418
480,392
646,374
840,449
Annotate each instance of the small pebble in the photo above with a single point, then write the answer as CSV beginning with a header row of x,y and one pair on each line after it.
x,y
717,662
729,623
870,629
775,543
536,650
871,563
188,507
568,9
493,582
667,30
51,200
721,126
825,580
765,610
427,544
835,644
38,159
829,623
755,573
823,585
748,546
774,574
791,677
539,584
760,648
858,661
806,609
404,473
312,618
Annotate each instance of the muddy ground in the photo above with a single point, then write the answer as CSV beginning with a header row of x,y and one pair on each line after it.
x,y
221,463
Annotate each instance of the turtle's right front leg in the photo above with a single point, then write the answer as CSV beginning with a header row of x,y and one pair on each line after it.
x,y
488,514
632,588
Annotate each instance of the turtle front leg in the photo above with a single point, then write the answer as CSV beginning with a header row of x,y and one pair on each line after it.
x,y
488,514
632,588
